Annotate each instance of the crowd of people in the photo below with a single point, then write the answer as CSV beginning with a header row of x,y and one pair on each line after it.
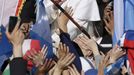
x,y
75,53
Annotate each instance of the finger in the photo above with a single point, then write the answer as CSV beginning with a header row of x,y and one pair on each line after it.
x,y
85,37
16,27
111,15
45,63
65,59
45,51
82,72
21,34
8,35
84,42
79,41
61,46
70,12
106,58
106,22
107,30
35,52
29,57
31,54
54,62
69,59
67,50
71,71
115,48
43,48
108,18
64,48
49,63
76,71
67,9
102,54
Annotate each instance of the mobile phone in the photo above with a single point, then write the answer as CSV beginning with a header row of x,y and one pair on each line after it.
x,y
12,23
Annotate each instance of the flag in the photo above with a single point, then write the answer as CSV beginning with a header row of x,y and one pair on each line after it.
x,y
129,29
118,20
42,25
41,29
127,41
5,48
5,6
125,8
114,69
5,45
129,14
27,46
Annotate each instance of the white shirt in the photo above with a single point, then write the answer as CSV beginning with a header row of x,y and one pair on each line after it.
x,y
9,10
84,12
51,13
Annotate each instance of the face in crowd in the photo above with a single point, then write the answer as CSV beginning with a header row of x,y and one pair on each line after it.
x,y
25,27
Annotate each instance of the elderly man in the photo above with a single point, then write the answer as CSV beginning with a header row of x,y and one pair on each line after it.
x,y
84,11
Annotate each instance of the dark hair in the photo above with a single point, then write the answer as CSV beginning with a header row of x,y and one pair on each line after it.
x,y
28,12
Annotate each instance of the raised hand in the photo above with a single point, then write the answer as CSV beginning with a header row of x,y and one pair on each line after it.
x,y
48,64
73,71
63,50
63,63
62,19
16,38
103,63
115,54
109,20
37,57
88,46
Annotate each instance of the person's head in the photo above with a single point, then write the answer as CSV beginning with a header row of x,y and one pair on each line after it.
x,y
108,9
108,19
25,27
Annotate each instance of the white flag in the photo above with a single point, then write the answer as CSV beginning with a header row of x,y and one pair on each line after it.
x,y
7,9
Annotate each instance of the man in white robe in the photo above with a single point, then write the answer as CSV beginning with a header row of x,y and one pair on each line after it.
x,y
84,11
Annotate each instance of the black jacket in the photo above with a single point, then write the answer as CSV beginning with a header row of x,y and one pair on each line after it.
x,y
18,66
